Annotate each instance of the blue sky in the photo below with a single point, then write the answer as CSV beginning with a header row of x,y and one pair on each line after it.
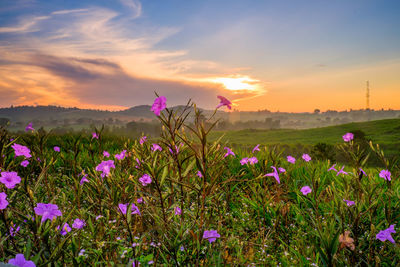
x,y
260,54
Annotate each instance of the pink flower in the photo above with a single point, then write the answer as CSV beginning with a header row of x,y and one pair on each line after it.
x,y
140,200
348,137
244,161
349,202
178,211
256,148
105,167
199,174
385,174
29,127
341,171
211,235
156,147
57,149
48,211
305,190
20,261
332,168
224,102
106,154
10,179
142,140
145,179
306,157
228,152
159,105
124,208
274,174
25,163
3,201
252,160
78,224
95,135
121,155
386,234
291,159
84,179
65,229
21,150
282,170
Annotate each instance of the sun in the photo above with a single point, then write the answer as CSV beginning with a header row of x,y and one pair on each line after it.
x,y
237,83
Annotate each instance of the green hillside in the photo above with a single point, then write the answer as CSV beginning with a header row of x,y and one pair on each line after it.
x,y
385,132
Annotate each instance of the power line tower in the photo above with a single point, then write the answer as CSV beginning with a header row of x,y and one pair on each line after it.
x,y
367,107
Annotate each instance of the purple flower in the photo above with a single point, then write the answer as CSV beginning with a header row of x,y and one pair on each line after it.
x,y
139,200
10,179
349,202
363,172
160,103
121,155
21,150
78,224
386,234
228,152
48,211
138,163
95,135
210,235
82,252
14,230
25,163
178,211
105,167
385,174
348,137
124,207
291,159
106,154
252,160
20,261
199,174
244,161
29,127
224,102
142,140
156,147
305,190
332,168
341,171
57,149
3,201
145,179
65,229
256,148
99,216
177,148
306,157
84,179
282,170
274,174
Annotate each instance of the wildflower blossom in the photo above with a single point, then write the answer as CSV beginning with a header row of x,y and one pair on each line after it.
x,y
178,211
138,163
99,216
121,155
386,234
332,168
282,170
244,161
160,103
124,207
25,163
3,201
224,102
291,159
346,241
349,202
306,157
78,224
362,171
47,211
84,179
256,148
95,135
228,152
140,200
10,179
385,174
57,149
274,174
29,127
21,150
305,190
65,229
199,174
252,160
14,230
341,171
211,235
82,252
20,261
142,140
156,147
106,154
105,167
348,137
145,179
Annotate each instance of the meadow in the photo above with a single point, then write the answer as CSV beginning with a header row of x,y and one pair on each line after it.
x,y
189,198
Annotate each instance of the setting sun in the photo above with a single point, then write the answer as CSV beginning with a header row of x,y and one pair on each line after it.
x,y
238,83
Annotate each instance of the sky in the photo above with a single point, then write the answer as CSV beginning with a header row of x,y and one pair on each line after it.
x,y
282,55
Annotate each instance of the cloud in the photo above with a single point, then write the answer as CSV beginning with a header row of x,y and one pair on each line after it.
x,y
135,6
25,26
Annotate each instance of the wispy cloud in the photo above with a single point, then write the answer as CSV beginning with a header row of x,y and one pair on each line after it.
x,y
134,5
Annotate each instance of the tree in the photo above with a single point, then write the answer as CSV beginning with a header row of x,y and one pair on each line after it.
x,y
4,122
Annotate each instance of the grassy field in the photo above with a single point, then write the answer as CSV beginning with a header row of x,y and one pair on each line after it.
x,y
94,200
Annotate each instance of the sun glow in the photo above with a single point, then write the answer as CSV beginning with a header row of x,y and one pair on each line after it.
x,y
238,83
